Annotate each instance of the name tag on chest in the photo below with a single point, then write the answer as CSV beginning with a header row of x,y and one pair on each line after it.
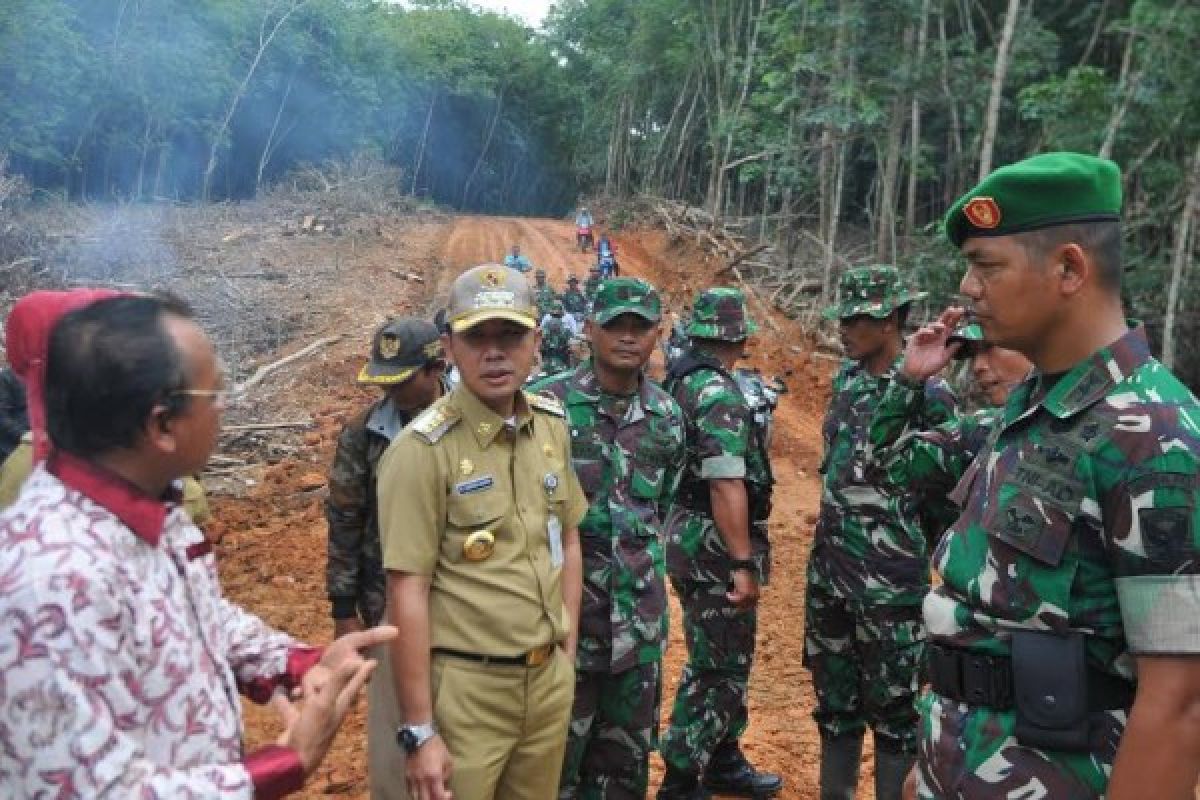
x,y
554,534
474,485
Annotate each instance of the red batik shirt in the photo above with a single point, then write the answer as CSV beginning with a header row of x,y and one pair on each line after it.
x,y
120,662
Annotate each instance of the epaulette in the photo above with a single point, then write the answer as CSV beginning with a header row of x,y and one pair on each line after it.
x,y
434,422
543,403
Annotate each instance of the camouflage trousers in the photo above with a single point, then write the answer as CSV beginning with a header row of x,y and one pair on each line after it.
x,y
971,753
710,703
865,665
614,726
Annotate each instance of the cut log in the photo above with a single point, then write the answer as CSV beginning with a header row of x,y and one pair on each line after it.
x,y
265,370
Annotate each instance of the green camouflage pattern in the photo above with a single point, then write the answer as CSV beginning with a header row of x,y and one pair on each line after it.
x,y
354,574
710,702
574,301
544,297
875,291
1079,515
628,454
591,285
556,346
617,296
928,463
720,313
865,664
870,543
614,728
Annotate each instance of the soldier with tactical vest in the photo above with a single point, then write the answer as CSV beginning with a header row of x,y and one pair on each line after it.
x,y
627,447
574,301
718,556
1065,655
543,294
479,511
407,363
869,565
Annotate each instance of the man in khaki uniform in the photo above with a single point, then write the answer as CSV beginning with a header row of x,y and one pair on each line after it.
x,y
478,513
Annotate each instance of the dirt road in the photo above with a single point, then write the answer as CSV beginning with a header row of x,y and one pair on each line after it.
x,y
272,557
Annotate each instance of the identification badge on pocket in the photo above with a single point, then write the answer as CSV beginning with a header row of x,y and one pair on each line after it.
x,y
554,533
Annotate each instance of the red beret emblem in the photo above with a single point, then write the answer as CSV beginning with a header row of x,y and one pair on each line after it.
x,y
982,212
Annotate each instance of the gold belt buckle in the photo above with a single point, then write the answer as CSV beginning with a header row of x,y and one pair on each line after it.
x,y
539,655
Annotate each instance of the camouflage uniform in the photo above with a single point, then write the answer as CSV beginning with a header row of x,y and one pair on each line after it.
x,y
574,301
1081,517
544,296
556,344
869,567
592,284
627,453
710,710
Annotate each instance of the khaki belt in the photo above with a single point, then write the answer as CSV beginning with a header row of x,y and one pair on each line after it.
x,y
534,658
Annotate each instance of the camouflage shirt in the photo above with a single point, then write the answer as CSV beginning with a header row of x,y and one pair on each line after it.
x,y
574,302
590,286
544,297
628,454
870,543
722,442
354,577
1082,514
556,346
928,463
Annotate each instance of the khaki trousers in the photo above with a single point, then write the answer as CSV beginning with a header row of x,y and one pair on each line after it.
x,y
505,726
385,758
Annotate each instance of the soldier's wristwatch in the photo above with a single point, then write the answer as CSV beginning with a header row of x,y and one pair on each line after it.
x,y
743,563
411,737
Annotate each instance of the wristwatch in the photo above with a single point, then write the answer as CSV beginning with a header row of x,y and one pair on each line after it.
x,y
743,563
411,737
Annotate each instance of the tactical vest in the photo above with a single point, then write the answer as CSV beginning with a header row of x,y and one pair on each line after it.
x,y
693,493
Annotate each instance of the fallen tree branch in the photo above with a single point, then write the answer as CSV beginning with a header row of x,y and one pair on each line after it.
x,y
265,370
266,426
742,257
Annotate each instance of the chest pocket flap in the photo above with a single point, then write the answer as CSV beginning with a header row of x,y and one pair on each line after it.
x,y
1036,509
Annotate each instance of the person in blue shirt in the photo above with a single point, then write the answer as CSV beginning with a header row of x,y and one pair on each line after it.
x,y
517,261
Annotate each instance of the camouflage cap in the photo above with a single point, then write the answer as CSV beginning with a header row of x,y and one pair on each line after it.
x,y
617,296
490,291
720,314
971,336
875,291
572,279
401,347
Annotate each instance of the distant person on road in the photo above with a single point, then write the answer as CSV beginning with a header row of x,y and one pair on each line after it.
x,y
543,293
517,261
583,218
606,258
133,690
407,363
574,301
557,334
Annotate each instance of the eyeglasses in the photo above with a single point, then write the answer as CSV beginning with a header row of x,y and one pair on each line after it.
x,y
220,397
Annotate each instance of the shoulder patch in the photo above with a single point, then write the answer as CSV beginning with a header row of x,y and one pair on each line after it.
x,y
433,423
544,403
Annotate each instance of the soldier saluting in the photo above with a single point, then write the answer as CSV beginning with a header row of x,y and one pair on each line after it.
x,y
1064,637
478,512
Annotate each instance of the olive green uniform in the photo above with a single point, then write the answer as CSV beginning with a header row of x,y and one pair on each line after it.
x,y
479,506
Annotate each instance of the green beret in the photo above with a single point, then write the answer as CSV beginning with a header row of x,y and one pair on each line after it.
x,y
1039,192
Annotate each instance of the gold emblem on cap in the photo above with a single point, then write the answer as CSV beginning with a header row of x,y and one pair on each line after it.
x,y
484,428
389,345
492,278
548,450
982,212
466,467
479,546
433,349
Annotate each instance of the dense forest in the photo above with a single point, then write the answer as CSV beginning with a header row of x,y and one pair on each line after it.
x,y
847,125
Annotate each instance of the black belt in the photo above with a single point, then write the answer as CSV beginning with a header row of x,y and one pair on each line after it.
x,y
979,679
534,658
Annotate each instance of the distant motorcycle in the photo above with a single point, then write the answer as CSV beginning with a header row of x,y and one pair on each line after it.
x,y
608,265
584,238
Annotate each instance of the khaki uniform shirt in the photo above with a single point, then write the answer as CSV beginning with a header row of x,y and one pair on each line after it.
x,y
457,469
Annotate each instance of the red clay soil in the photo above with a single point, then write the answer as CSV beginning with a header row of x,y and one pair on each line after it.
x,y
273,553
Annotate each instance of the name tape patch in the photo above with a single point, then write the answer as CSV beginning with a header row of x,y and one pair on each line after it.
x,y
474,485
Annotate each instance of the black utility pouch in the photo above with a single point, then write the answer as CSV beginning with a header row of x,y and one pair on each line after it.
x,y
1050,688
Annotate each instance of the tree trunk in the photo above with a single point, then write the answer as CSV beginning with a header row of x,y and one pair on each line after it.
x,y
487,143
831,232
885,233
421,147
265,38
992,119
272,143
1180,260
914,129
953,181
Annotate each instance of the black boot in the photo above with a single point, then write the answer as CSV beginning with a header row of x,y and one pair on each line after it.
x,y
730,773
891,768
680,785
840,757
